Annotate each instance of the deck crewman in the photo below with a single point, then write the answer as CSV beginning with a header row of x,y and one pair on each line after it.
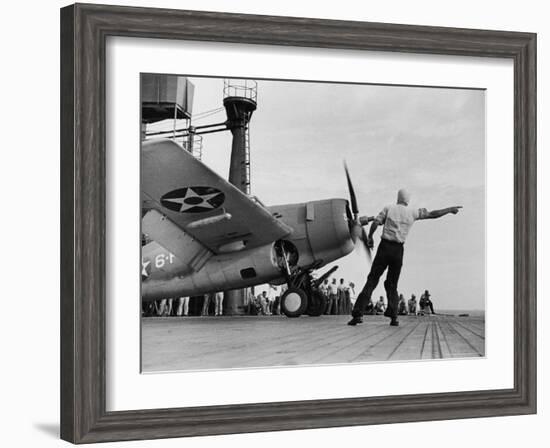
x,y
397,220
412,305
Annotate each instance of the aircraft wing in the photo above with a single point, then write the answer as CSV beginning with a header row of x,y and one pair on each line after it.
x,y
201,203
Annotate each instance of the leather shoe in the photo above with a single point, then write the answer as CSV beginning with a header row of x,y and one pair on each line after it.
x,y
394,323
355,321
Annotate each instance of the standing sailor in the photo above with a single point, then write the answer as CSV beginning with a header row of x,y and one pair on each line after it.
x,y
397,220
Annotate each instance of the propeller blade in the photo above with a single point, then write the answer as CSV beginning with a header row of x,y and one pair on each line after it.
x,y
364,240
356,227
353,198
355,231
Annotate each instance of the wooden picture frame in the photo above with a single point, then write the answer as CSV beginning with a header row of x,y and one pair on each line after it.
x,y
84,29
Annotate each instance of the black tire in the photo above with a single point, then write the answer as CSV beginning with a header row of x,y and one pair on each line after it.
x,y
317,303
293,302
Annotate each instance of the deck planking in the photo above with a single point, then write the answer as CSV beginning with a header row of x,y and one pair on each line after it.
x,y
204,343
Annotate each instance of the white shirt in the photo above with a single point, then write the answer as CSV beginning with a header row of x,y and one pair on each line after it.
x,y
272,292
398,220
352,296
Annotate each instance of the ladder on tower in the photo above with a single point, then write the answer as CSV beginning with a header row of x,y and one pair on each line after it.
x,y
193,144
246,172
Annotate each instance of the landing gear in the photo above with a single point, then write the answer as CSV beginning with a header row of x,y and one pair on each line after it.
x,y
302,295
305,299
294,302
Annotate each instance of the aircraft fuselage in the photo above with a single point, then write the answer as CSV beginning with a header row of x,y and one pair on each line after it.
x,y
320,235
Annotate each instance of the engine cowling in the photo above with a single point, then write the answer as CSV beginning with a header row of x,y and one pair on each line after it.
x,y
321,231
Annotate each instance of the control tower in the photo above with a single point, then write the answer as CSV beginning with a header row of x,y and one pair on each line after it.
x,y
239,100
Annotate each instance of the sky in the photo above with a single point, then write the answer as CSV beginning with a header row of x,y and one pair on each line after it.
x,y
430,141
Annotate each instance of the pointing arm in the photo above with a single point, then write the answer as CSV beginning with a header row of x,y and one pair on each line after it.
x,y
434,214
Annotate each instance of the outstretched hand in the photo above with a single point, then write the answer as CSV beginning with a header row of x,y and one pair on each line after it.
x,y
454,210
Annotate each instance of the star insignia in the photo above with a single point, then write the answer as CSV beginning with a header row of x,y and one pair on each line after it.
x,y
144,265
191,199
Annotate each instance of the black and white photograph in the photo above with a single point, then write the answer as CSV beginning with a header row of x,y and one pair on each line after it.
x,y
294,223
275,224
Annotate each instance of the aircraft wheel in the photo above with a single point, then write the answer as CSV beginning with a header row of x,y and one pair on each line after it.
x,y
293,302
317,304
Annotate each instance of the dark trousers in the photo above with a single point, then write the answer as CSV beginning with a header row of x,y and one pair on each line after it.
x,y
389,255
332,304
341,303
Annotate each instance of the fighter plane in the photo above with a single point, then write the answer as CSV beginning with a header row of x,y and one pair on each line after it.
x,y
202,234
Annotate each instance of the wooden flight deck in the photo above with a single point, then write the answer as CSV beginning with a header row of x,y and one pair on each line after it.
x,y
204,343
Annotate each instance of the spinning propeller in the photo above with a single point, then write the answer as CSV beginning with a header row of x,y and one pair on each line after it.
x,y
357,222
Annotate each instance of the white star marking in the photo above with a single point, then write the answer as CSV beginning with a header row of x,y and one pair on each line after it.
x,y
191,194
144,265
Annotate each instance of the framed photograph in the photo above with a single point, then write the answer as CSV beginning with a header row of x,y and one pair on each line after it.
x,y
239,197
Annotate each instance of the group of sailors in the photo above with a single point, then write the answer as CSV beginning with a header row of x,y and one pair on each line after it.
x,y
267,303
339,295
203,305
212,304
340,298
404,307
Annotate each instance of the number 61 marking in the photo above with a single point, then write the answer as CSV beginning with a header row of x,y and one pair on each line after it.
x,y
160,260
